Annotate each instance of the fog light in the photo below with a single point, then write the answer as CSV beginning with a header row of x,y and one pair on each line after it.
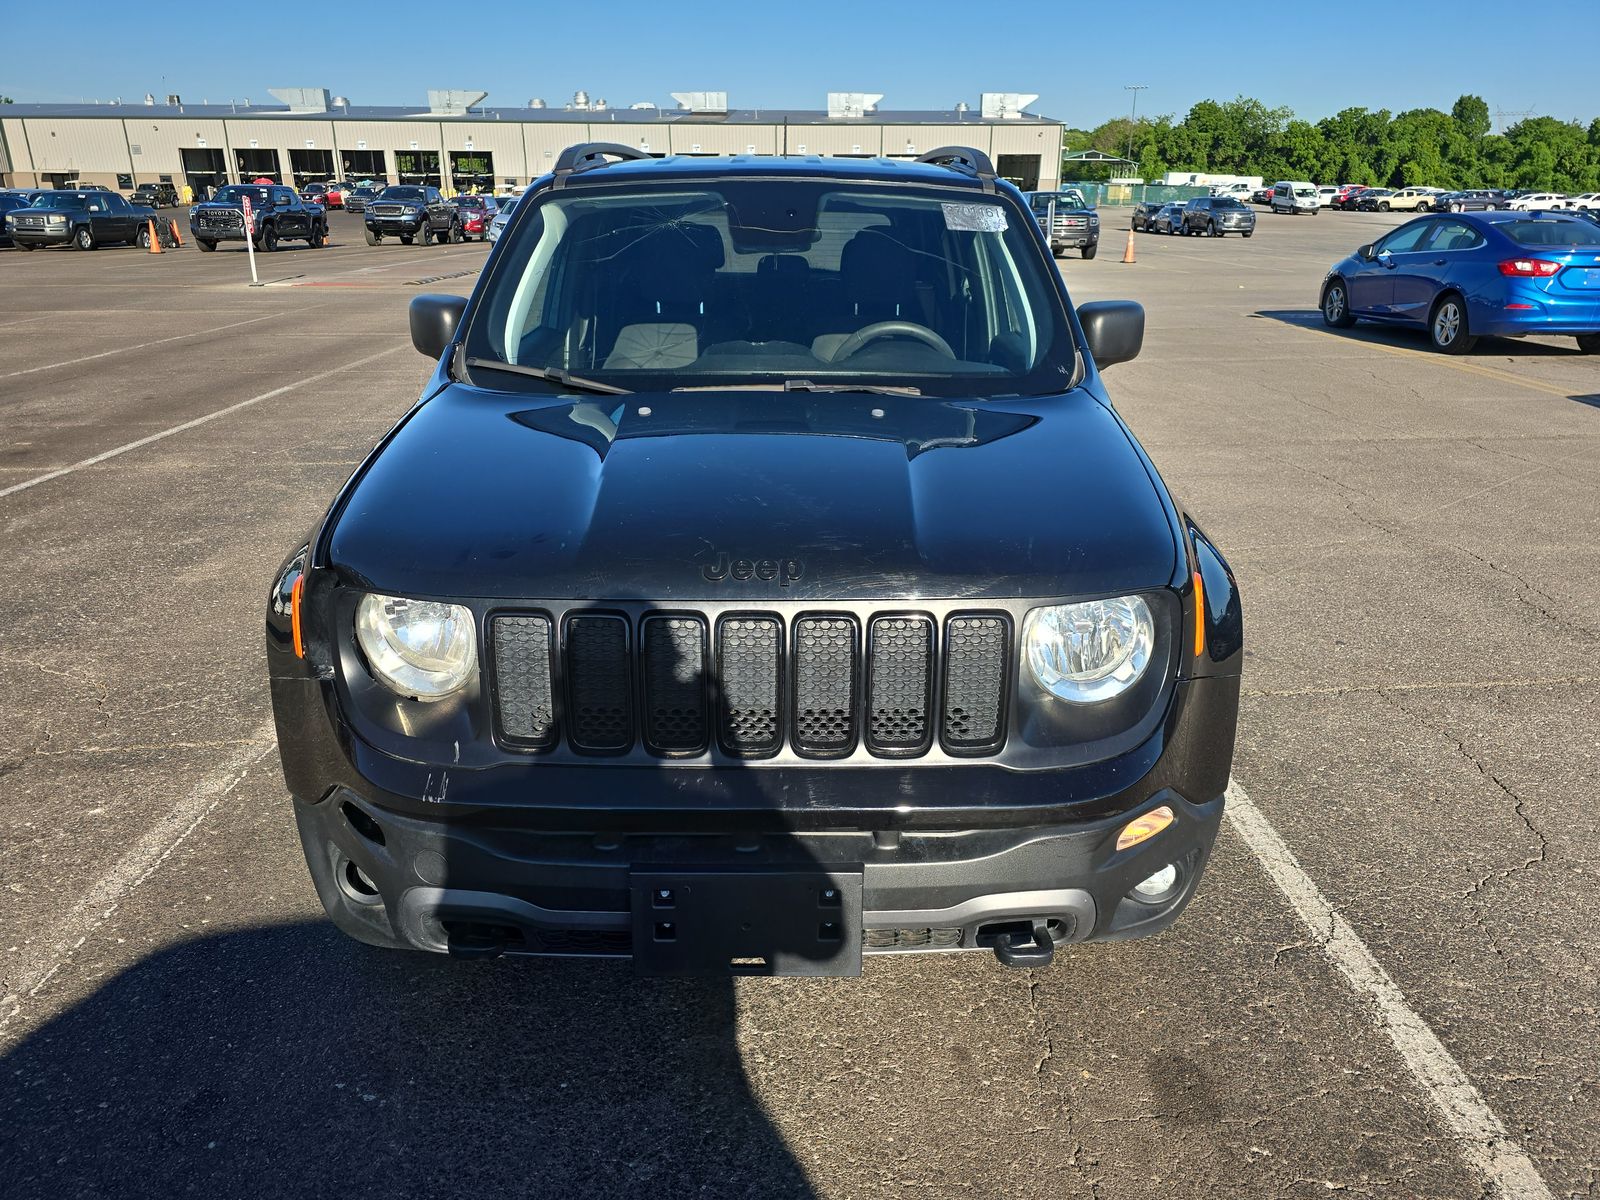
x,y
1144,827
1155,887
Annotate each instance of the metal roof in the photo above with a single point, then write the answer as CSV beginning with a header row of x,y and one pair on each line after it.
x,y
574,116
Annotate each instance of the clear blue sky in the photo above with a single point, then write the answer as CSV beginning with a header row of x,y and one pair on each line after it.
x,y
1316,57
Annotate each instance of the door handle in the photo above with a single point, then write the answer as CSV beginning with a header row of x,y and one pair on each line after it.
x,y
1438,262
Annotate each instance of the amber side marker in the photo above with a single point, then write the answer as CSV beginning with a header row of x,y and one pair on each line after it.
x,y
1199,616
1144,827
294,616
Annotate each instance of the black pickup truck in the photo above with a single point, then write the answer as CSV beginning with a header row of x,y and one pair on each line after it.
x,y
741,599
85,219
1068,220
412,213
276,214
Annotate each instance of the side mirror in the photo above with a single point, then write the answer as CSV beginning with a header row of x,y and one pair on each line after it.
x,y
1365,252
434,321
282,202
1113,329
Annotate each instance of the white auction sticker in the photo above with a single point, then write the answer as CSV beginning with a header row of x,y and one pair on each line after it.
x,y
975,218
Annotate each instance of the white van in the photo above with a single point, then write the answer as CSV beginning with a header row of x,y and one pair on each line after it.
x,y
1295,196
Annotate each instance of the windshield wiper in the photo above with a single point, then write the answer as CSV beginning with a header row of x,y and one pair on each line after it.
x,y
804,385
552,374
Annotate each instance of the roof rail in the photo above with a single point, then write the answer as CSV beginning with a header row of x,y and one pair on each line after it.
x,y
966,157
586,156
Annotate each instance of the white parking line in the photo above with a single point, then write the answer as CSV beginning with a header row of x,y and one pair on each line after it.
x,y
211,416
103,898
72,362
1502,1164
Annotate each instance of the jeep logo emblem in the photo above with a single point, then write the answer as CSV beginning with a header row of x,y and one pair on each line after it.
x,y
785,570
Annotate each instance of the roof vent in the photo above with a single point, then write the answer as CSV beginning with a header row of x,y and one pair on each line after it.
x,y
149,98
453,103
173,100
963,107
600,105
639,104
303,100
853,104
537,102
1005,106
342,102
580,100
702,102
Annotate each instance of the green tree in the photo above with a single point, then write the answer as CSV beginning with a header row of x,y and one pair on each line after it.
x,y
1471,115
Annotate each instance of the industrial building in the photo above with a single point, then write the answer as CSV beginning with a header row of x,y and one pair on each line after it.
x,y
457,143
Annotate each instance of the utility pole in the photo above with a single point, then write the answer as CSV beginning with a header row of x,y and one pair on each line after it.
x,y
1133,113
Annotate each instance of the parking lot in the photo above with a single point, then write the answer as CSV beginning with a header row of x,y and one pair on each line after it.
x,y
1387,985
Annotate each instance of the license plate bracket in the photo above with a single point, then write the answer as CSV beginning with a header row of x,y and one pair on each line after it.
x,y
746,922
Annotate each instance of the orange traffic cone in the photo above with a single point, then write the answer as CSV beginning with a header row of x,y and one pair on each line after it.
x,y
177,238
155,240
1127,255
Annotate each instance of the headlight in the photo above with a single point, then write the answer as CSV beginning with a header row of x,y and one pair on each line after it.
x,y
1083,653
418,648
57,218
411,210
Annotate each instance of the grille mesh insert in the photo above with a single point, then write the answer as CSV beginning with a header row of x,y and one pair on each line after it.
x,y
900,680
824,685
674,683
974,683
522,680
747,660
600,683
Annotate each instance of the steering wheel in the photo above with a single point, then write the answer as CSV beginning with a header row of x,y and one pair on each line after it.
x,y
883,329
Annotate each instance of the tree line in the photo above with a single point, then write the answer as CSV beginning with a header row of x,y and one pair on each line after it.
x,y
1455,149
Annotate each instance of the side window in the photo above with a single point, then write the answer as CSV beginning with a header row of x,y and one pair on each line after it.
x,y
1407,237
433,196
1453,235
116,202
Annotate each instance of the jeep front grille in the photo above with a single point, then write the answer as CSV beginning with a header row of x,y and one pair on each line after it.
x,y
825,684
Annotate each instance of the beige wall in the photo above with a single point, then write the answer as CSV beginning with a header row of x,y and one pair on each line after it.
x,y
97,149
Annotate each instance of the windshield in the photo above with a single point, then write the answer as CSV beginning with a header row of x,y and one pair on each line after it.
x,y
403,193
772,282
1305,191
1067,199
235,194
59,201
1226,202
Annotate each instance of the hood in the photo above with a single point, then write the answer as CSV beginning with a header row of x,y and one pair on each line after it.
x,y
754,496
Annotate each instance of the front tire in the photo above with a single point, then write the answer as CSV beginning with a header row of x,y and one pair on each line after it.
x,y
1383,208
269,239
1447,325
83,239
1092,250
142,238
1589,343
1211,228
372,238
1336,306
424,234
206,246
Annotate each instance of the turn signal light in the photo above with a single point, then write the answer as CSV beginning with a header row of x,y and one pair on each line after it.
x,y
1532,268
294,616
1144,827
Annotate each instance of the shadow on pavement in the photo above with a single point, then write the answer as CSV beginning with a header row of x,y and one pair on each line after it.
x,y
290,1060
1414,338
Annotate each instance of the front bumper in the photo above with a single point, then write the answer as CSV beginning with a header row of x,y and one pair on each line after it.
x,y
408,226
42,237
537,857
217,233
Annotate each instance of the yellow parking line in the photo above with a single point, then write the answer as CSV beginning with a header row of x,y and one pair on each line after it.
x,y
1454,364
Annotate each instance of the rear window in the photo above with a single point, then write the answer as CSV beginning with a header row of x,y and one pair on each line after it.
x,y
1552,233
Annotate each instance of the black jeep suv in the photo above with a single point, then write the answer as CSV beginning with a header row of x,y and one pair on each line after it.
x,y
411,212
764,576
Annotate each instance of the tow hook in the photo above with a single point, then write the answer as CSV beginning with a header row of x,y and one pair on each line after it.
x,y
1032,947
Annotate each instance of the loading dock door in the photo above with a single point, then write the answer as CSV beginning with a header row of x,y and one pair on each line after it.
x,y
204,170
311,166
365,164
1020,169
418,166
472,170
258,164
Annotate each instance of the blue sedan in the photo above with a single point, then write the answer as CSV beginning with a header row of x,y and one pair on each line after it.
x,y
1462,276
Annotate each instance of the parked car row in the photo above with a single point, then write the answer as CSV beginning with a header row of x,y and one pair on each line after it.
x,y
1203,216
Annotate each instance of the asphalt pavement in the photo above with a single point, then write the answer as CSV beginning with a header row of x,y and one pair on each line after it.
x,y
1387,985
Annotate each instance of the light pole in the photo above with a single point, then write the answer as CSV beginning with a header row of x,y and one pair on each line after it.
x,y
1133,113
